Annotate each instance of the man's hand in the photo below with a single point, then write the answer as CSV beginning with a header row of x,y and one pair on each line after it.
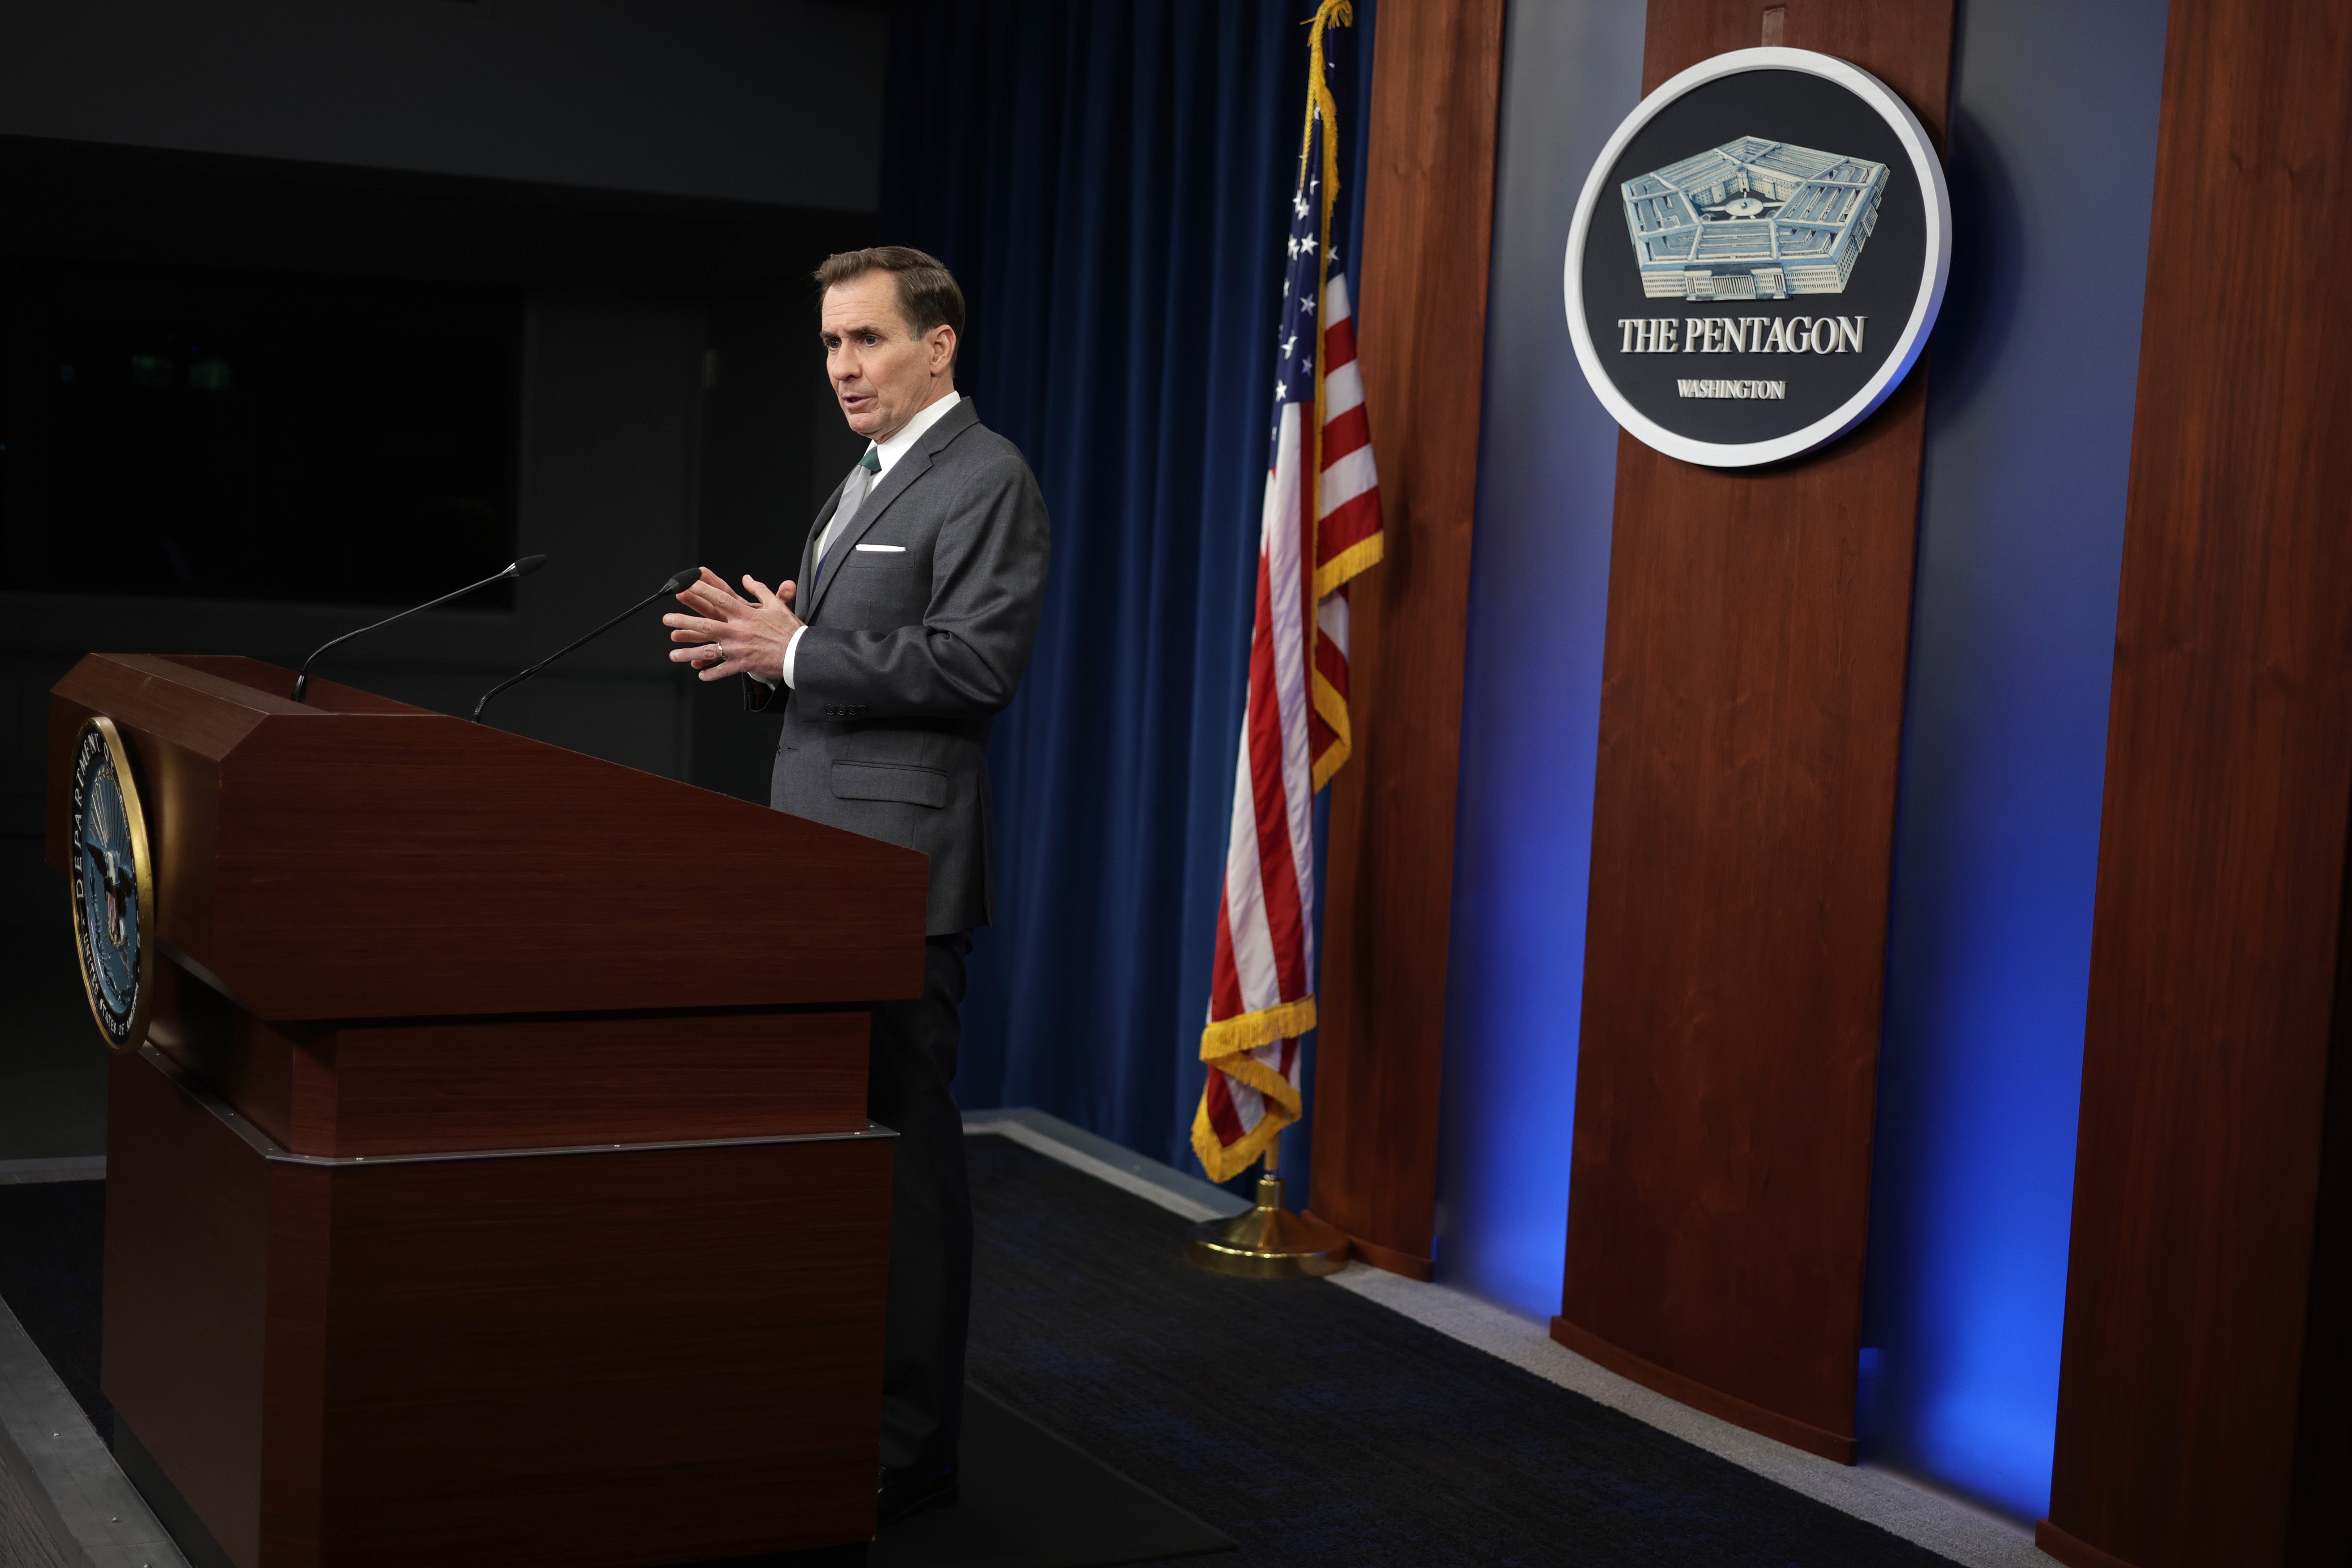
x,y
730,635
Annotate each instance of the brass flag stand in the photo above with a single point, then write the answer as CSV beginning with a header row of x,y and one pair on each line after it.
x,y
1268,1242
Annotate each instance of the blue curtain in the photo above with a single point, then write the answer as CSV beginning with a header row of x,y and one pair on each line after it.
x,y
1108,181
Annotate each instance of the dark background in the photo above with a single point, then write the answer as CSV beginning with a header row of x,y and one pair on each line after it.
x,y
363,302
300,394
221,434
1786,106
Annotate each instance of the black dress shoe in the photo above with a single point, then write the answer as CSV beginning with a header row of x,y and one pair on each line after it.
x,y
905,1493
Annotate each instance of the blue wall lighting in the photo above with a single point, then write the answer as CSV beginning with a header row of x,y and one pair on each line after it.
x,y
2031,377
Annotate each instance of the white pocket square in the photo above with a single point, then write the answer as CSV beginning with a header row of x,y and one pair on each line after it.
x,y
884,549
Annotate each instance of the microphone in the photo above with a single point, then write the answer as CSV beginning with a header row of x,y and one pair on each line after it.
x,y
523,568
676,583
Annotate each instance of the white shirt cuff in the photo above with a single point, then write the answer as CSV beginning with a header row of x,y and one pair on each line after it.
x,y
792,648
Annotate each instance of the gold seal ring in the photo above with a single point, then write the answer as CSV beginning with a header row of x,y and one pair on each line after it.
x,y
112,886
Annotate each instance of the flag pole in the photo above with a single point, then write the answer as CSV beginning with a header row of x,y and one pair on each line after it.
x,y
1294,729
1268,1241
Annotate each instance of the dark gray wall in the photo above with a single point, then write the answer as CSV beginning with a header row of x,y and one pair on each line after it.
x,y
775,102
756,101
657,179
611,454
631,468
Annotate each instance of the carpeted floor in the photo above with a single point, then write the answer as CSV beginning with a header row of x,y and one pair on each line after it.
x,y
1323,1431
1319,1429
52,1259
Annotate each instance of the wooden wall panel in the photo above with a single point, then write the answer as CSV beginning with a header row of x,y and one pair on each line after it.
x,y
1743,833
2201,1413
1428,225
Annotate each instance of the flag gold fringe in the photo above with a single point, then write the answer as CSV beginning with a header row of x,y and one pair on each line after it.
x,y
1222,1164
1283,1104
1365,552
1333,710
1225,1045
1319,103
1356,559
1330,706
1246,1032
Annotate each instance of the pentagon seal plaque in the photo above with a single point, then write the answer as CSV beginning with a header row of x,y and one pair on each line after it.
x,y
1757,257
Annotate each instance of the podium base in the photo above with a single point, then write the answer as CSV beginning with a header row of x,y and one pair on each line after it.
x,y
1269,1242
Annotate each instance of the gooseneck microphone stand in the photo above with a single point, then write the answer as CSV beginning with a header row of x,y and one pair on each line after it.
x,y
676,583
523,568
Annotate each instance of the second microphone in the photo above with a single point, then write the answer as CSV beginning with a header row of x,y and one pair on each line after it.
x,y
678,582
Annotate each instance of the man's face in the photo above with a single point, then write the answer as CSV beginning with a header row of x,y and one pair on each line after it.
x,y
883,373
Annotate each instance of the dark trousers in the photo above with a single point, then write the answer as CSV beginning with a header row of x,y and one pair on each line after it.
x,y
909,1070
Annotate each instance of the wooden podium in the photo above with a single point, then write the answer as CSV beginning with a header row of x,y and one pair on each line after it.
x,y
495,1185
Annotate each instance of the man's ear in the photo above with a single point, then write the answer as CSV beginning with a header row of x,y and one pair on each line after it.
x,y
943,347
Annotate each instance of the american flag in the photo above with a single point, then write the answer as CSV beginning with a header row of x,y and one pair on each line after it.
x,y
1320,526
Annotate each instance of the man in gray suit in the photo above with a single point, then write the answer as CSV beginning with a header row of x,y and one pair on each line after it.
x,y
906,630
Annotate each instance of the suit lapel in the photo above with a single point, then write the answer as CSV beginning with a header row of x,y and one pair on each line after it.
x,y
903,472
804,604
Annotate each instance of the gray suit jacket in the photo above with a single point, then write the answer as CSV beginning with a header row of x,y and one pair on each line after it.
x,y
913,645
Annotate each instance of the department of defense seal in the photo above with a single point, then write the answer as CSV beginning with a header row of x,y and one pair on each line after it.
x,y
113,886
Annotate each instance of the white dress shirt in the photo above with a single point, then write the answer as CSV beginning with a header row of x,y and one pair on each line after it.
x,y
887,453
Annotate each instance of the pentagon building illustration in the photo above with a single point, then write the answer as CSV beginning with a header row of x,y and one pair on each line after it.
x,y
1752,219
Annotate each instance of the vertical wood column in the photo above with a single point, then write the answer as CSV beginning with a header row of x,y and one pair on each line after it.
x,y
1743,838
1429,204
2202,1410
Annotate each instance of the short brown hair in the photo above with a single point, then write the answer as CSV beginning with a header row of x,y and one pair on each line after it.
x,y
928,295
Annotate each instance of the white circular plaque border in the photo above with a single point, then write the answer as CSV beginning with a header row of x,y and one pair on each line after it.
x,y
1855,409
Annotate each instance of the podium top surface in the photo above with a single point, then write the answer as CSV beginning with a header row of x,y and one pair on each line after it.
x,y
351,857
